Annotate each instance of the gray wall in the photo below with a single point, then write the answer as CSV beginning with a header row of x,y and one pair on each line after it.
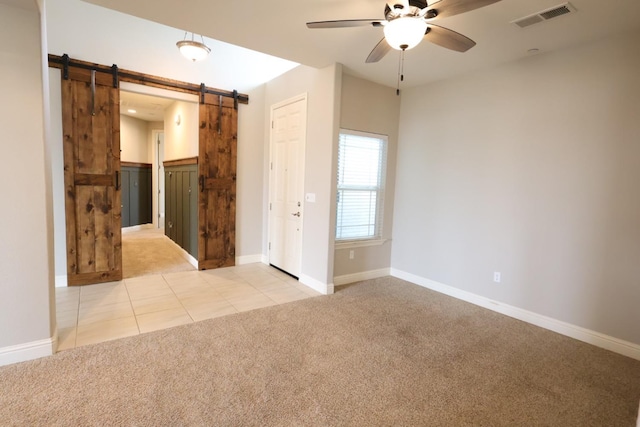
x,y
530,169
26,270
370,107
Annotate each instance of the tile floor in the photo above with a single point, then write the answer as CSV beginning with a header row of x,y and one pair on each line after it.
x,y
96,313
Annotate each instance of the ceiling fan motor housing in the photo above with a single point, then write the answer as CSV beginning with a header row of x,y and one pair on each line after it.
x,y
415,7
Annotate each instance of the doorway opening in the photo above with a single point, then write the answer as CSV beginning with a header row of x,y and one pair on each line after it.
x,y
146,119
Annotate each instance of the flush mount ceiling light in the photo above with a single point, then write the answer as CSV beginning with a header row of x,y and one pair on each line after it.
x,y
405,32
192,49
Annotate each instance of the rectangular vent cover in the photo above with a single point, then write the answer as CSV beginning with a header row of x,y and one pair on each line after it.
x,y
545,15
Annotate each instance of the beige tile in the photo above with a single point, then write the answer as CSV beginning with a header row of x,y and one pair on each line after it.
x,y
279,274
68,292
66,338
261,278
246,303
101,288
220,274
272,283
67,304
92,333
195,299
145,280
66,318
100,313
111,297
306,289
210,309
237,290
284,295
163,319
183,276
150,291
190,288
158,303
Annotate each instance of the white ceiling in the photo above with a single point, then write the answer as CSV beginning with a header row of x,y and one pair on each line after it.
x,y
145,107
277,27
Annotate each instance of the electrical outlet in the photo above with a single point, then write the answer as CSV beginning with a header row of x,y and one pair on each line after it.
x,y
352,254
496,276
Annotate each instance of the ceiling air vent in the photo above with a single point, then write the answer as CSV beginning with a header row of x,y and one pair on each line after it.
x,y
545,15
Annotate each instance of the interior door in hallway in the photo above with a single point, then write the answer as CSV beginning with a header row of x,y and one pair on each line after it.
x,y
288,137
91,141
217,182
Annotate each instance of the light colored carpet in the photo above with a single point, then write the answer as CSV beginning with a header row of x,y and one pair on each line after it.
x,y
149,251
380,352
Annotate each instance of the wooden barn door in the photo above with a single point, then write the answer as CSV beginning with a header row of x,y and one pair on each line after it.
x,y
217,182
91,137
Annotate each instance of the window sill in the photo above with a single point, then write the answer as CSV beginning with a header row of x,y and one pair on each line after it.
x,y
360,243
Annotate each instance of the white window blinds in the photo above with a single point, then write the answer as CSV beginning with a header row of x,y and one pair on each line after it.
x,y
362,161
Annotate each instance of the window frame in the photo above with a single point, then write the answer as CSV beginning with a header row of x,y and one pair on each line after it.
x,y
376,238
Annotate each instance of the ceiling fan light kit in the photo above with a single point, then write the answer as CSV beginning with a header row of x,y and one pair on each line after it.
x,y
192,49
405,33
407,22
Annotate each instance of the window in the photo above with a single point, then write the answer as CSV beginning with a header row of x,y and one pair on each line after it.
x,y
362,159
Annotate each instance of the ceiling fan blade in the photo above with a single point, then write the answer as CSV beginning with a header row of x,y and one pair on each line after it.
x,y
455,7
378,52
345,23
448,38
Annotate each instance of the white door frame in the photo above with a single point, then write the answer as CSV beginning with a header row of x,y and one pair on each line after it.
x,y
297,98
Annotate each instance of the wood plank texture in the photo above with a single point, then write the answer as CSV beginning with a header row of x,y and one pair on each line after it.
x,y
217,169
91,142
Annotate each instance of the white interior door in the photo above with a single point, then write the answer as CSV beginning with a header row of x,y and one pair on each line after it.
x,y
288,136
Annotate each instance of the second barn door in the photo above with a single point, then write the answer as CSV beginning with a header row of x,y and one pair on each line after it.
x,y
217,182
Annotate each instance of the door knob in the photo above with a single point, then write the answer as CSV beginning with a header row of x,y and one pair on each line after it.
x,y
296,214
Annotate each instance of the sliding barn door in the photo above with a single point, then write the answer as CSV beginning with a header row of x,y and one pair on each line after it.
x,y
217,183
91,134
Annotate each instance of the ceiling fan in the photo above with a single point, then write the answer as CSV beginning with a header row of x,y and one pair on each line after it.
x,y
407,22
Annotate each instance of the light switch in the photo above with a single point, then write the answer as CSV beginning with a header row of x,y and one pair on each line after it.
x,y
310,197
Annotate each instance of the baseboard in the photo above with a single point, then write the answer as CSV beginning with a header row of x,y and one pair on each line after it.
x,y
27,351
265,259
61,281
316,285
248,259
190,259
186,255
363,275
607,342
137,228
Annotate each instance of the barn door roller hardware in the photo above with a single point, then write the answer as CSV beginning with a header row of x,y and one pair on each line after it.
x,y
64,63
114,72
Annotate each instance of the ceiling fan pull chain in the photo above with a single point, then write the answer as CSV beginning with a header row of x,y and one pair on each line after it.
x,y
402,66
399,72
